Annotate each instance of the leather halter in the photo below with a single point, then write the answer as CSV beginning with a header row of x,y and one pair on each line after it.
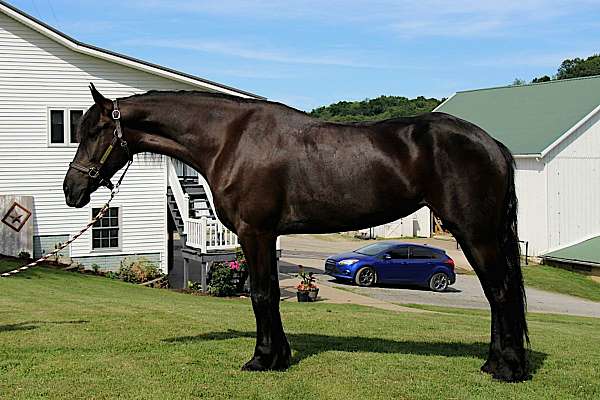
x,y
95,172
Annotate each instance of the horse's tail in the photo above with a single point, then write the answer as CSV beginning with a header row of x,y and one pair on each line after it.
x,y
509,242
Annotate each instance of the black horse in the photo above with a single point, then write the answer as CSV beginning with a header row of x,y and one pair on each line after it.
x,y
274,170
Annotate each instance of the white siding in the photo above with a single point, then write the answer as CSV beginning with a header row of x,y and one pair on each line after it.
x,y
574,187
530,183
37,73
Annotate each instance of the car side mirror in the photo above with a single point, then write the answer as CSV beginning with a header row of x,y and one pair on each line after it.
x,y
386,256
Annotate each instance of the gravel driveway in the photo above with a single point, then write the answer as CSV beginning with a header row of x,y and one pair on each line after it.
x,y
467,293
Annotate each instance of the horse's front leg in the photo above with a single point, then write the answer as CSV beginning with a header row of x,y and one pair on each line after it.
x,y
272,351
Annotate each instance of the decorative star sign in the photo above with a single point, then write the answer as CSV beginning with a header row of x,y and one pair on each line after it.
x,y
16,217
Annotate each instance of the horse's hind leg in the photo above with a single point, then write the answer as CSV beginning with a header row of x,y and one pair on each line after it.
x,y
503,287
272,351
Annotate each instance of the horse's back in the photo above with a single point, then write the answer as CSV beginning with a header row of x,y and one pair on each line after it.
x,y
349,176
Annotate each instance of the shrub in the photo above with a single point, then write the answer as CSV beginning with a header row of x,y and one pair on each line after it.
x,y
112,275
195,286
95,268
221,281
138,270
24,255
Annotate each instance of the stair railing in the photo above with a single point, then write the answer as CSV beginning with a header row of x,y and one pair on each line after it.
x,y
209,234
181,198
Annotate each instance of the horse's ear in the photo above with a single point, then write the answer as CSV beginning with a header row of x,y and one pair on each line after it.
x,y
101,101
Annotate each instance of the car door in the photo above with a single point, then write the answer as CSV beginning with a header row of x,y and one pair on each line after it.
x,y
392,264
422,261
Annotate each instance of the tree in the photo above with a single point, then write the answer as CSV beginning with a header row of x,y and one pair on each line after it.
x,y
579,67
544,78
518,82
383,107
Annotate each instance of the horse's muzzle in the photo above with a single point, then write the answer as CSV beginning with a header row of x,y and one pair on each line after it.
x,y
76,190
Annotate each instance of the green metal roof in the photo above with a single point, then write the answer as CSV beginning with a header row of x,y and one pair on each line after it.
x,y
587,251
527,118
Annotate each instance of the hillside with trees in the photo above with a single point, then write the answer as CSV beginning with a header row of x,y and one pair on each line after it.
x,y
382,107
385,107
575,68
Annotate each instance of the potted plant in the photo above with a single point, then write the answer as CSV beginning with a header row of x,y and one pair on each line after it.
x,y
307,289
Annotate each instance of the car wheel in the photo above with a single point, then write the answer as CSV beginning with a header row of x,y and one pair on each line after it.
x,y
365,276
439,282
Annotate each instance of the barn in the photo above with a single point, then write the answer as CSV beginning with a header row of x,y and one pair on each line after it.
x,y
553,130
44,78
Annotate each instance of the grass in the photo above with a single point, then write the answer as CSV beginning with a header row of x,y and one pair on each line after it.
x,y
67,336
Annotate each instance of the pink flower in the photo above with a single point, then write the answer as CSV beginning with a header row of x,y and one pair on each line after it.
x,y
234,265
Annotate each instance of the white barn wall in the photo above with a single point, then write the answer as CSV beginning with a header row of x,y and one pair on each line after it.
x,y
416,224
530,185
574,186
37,73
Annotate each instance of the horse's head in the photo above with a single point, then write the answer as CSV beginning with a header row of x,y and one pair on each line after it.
x,y
99,155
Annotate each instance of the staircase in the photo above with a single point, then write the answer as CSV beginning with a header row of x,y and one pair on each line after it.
x,y
174,211
200,205
190,204
196,198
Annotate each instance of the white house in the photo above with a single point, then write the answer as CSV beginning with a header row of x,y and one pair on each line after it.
x,y
44,77
553,130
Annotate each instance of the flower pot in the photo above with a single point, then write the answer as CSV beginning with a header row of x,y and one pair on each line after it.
x,y
239,279
307,295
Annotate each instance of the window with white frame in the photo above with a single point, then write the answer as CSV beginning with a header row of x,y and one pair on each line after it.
x,y
62,126
105,232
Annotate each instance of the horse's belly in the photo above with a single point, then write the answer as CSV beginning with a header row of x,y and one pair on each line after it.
x,y
335,210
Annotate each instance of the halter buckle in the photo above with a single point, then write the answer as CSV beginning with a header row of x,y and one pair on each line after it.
x,y
93,172
116,114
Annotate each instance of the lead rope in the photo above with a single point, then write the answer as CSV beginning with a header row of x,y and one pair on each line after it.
x,y
97,218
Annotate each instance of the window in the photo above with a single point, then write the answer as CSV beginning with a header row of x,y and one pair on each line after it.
x,y
419,252
62,126
74,117
399,253
57,126
105,233
372,249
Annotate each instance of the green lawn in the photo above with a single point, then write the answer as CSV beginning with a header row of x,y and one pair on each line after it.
x,y
561,281
66,335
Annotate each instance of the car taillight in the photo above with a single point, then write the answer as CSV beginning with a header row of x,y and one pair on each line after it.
x,y
449,262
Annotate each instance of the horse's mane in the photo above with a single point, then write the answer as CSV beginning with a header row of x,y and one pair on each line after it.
x,y
211,95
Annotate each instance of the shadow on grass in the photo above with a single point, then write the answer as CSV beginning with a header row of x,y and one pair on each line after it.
x,y
30,325
307,344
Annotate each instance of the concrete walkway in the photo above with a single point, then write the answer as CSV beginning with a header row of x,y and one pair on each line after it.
x,y
329,294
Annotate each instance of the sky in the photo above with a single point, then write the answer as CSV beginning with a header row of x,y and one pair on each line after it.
x,y
309,53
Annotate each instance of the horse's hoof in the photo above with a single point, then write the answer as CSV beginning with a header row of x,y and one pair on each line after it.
x,y
277,363
254,365
504,373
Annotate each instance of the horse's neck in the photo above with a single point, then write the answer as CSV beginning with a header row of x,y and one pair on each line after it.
x,y
191,133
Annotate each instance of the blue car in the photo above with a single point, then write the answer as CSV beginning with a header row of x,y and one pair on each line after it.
x,y
394,262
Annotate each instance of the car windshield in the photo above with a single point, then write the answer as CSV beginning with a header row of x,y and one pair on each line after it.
x,y
373,249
